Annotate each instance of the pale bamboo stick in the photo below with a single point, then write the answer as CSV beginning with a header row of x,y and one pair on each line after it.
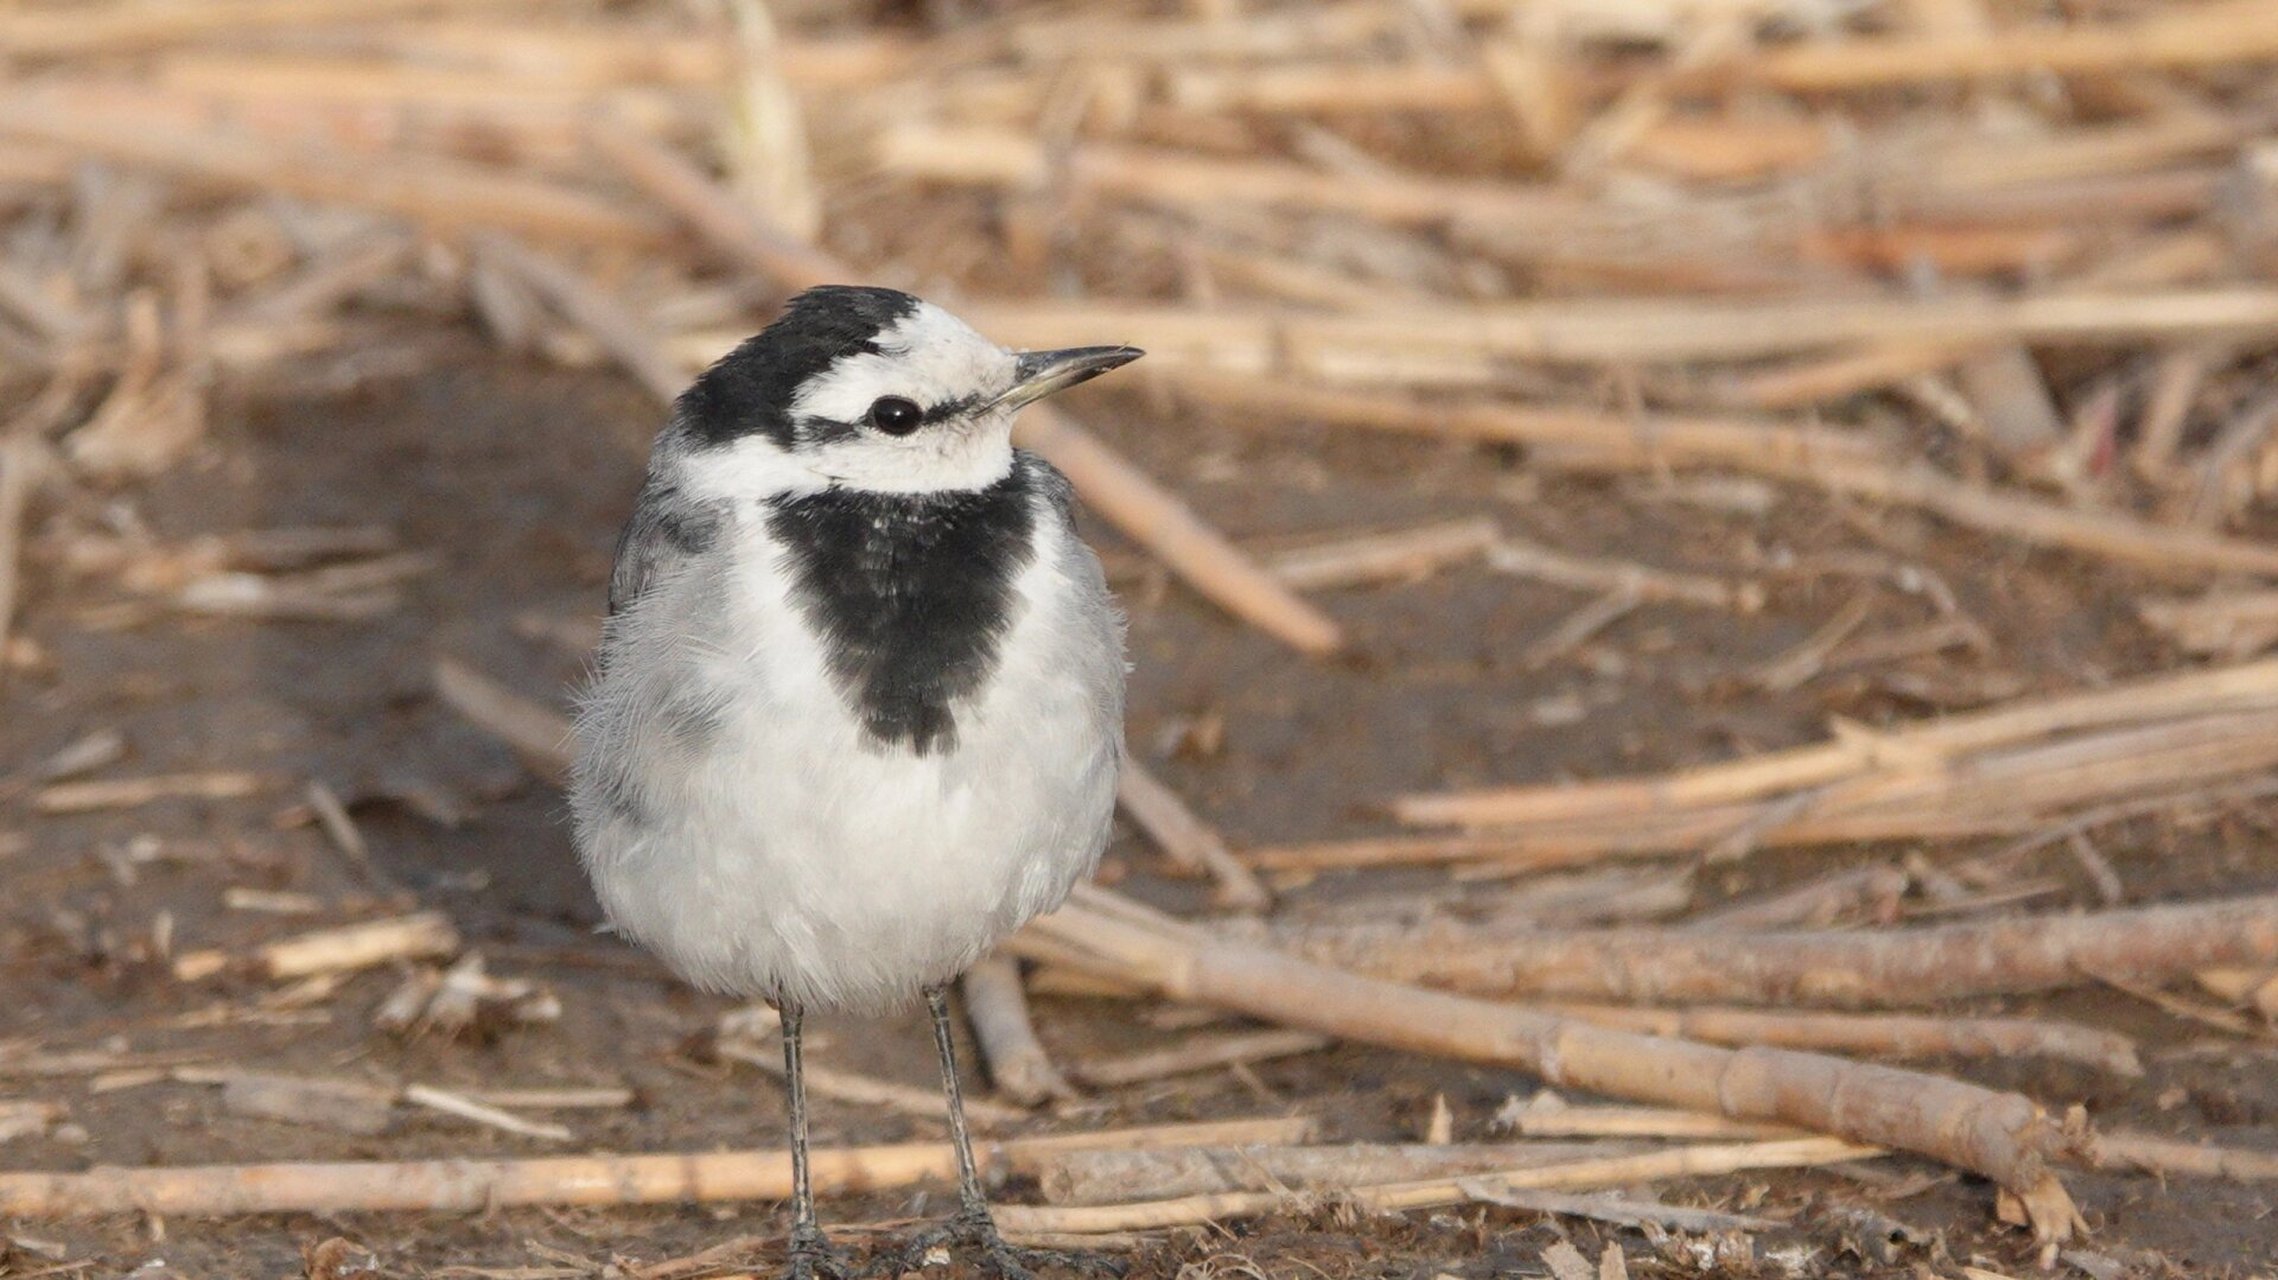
x,y
996,1006
2207,35
75,32
447,195
622,334
1604,1171
1166,526
729,226
2246,686
2003,1136
1106,1177
2166,1156
1203,1053
1602,439
1638,329
604,55
1878,1034
1185,838
1905,967
458,1185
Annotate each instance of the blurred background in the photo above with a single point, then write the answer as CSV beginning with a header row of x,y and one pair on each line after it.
x,y
1606,473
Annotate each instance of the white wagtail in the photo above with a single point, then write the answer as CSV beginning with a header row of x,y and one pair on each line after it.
x,y
859,705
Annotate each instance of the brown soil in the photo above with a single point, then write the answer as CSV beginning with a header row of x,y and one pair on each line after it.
x,y
518,478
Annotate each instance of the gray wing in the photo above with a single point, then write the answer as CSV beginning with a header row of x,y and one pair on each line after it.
x,y
667,527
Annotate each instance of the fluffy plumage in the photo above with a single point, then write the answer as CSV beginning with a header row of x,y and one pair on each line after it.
x,y
859,704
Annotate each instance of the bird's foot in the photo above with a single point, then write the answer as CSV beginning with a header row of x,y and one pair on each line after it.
x,y
977,1231
811,1256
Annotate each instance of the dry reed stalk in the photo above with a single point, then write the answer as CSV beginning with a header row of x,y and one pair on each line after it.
x,y
1819,902
601,56
570,1098
1728,148
992,157
1604,1171
2175,385
731,227
1904,967
2154,548
1186,839
325,284
420,935
2169,1156
1928,795
1587,573
996,1006
1603,439
1202,1053
1311,88
2226,624
1107,1177
538,733
22,461
1597,330
448,196
2225,33
1954,251
1399,555
2003,1136
130,793
622,334
1383,851
367,108
1864,367
2165,140
350,1106
1167,527
1319,29
443,1186
453,1104
532,108
1878,1035
2248,686
79,32
22,297
2012,406
1548,1116
1623,1210
869,1091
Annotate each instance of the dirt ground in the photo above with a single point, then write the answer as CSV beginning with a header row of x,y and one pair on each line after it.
x,y
516,479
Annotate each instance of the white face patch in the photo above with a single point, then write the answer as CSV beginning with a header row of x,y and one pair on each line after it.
x,y
933,359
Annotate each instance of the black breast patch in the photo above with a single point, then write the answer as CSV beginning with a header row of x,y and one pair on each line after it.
x,y
912,593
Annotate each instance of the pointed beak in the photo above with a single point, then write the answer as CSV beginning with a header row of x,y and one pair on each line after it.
x,y
1040,373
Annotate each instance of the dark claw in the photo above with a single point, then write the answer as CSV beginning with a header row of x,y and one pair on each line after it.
x,y
974,1229
811,1257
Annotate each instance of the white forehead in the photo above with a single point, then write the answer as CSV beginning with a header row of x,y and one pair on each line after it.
x,y
929,356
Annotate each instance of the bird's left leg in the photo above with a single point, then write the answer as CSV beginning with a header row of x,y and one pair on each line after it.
x,y
972,1224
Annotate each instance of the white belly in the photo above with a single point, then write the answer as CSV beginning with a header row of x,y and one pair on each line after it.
x,y
766,847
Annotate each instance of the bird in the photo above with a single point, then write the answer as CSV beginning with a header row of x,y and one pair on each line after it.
x,y
857,712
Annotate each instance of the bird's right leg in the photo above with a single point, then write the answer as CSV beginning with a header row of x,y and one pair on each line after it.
x,y
811,1255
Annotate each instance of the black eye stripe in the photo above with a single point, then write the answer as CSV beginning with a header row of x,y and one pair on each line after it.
x,y
822,429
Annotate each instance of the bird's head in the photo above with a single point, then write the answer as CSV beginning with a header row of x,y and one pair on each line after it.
x,y
868,388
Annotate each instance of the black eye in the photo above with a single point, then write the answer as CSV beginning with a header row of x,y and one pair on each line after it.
x,y
896,416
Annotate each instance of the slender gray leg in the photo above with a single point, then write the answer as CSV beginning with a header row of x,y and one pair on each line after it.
x,y
969,1197
810,1253
972,1224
